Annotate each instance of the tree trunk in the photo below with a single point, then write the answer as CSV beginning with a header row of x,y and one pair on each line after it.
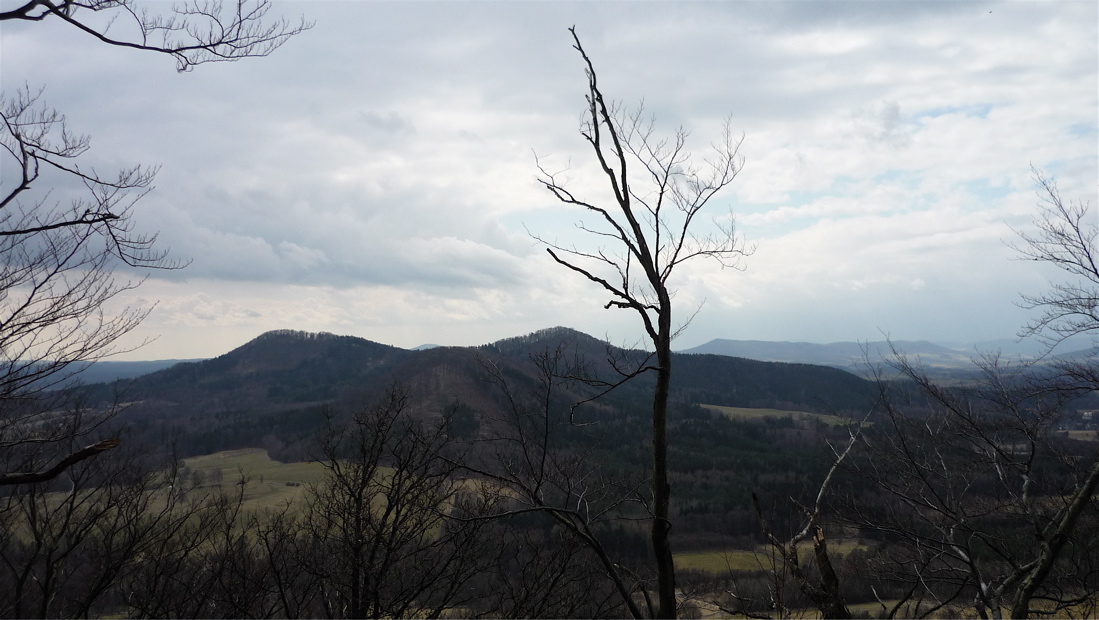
x,y
1051,548
831,603
665,566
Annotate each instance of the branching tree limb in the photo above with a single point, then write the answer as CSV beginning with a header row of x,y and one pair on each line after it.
x,y
658,192
62,465
1065,238
520,456
192,32
976,495
64,227
825,594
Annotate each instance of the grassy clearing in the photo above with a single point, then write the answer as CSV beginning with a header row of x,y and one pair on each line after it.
x,y
744,413
721,561
1082,435
271,484
870,609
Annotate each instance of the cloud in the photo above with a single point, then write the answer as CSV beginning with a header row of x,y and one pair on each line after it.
x,y
306,259
377,171
389,123
203,311
881,124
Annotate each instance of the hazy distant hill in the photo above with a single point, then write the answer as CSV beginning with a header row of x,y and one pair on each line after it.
x,y
1029,347
106,371
848,355
273,392
940,362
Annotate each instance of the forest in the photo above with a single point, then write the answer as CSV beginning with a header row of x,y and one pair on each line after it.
x,y
467,482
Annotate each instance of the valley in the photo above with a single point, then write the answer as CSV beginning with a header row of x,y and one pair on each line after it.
x,y
507,437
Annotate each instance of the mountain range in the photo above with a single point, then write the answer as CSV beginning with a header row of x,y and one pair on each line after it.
x,y
852,356
856,356
276,391
848,355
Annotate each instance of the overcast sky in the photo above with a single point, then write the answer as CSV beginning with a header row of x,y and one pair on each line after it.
x,y
376,176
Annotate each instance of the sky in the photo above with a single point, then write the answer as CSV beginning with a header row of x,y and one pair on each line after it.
x,y
377,175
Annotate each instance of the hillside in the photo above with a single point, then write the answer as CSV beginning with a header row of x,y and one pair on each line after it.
x,y
279,367
274,391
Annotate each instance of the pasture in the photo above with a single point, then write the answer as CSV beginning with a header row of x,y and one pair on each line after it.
x,y
269,484
761,558
1081,435
801,417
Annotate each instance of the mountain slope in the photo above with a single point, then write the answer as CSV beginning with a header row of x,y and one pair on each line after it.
x,y
740,382
277,367
275,391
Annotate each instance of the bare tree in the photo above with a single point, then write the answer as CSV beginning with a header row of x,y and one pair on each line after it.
x,y
192,32
64,227
201,559
56,273
825,591
975,499
70,546
543,572
520,461
381,518
658,193
1065,238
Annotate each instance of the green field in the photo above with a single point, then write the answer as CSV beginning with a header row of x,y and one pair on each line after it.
x,y
721,561
270,484
744,413
717,562
1081,435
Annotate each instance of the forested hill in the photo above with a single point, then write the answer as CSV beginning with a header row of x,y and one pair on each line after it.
x,y
277,367
272,392
715,379
739,382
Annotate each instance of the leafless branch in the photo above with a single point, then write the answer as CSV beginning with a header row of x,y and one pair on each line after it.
x,y
193,32
656,195
1065,238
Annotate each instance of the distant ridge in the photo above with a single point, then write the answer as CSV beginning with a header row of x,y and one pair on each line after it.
x,y
106,371
846,355
855,355
277,390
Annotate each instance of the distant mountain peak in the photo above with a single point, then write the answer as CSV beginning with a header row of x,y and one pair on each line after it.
x,y
282,334
558,333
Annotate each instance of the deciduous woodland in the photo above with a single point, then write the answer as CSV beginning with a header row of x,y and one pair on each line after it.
x,y
309,475
316,475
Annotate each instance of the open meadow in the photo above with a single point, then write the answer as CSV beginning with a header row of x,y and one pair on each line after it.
x,y
269,483
748,414
718,561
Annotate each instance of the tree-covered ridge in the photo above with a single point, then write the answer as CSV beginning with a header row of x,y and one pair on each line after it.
x,y
273,388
